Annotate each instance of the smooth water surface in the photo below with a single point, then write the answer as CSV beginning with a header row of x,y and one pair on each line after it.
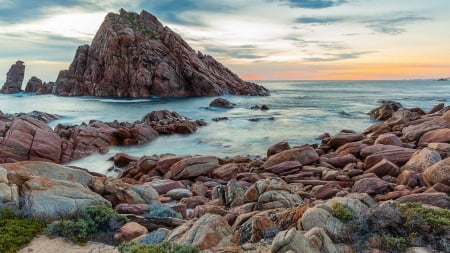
x,y
301,111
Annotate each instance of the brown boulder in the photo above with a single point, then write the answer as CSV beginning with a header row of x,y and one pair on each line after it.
x,y
226,172
166,162
389,139
370,186
341,161
221,103
130,231
438,135
383,168
305,155
165,185
436,108
137,209
397,155
30,139
442,148
421,160
193,167
438,173
409,178
288,167
353,148
277,148
205,233
385,111
327,191
343,138
415,132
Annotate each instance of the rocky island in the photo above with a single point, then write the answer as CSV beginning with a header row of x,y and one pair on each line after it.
x,y
134,55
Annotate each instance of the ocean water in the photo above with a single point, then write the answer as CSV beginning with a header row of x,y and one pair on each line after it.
x,y
299,112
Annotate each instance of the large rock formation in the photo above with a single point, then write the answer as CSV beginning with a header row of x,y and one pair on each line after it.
x,y
33,84
14,78
134,55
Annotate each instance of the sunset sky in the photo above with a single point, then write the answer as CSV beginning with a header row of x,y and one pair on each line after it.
x,y
257,39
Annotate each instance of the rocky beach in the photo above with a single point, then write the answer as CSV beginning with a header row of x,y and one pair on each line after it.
x,y
375,191
383,189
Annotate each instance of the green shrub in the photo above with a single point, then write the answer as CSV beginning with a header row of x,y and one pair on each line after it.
x,y
342,212
165,247
393,244
416,215
89,221
16,231
162,211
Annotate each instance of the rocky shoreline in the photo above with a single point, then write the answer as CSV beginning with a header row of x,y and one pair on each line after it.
x,y
383,190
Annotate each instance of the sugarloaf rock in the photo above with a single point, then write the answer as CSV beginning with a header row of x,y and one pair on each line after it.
x,y
134,55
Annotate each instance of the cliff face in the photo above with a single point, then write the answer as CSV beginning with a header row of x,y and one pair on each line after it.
x,y
134,55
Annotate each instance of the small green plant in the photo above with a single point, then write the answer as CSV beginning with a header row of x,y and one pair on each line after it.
x,y
416,215
90,221
165,247
394,244
342,212
162,211
16,231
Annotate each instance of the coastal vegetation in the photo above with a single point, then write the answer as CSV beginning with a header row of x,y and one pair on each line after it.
x,y
16,230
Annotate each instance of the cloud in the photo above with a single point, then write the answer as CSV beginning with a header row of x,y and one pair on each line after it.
x,y
175,12
320,21
314,4
394,26
337,56
239,52
298,41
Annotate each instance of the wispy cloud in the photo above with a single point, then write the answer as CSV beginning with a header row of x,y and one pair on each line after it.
x,y
394,26
314,4
337,56
239,52
318,20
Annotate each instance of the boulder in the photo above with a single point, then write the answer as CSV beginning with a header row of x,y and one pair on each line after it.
x,y
134,55
277,148
193,167
371,186
353,148
385,111
130,231
321,216
43,197
344,138
415,132
226,172
137,209
205,233
277,199
164,185
221,103
402,116
341,161
383,168
398,156
30,139
178,194
20,172
438,135
166,162
120,192
14,78
304,155
389,139
421,160
436,108
409,178
253,227
438,173
288,167
442,148
9,195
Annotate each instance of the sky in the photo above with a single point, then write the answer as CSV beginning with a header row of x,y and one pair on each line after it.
x,y
257,39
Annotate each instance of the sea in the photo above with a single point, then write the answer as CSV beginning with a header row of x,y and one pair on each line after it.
x,y
299,112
